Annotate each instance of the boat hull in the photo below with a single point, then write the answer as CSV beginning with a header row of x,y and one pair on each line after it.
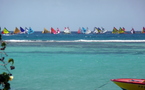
x,y
130,84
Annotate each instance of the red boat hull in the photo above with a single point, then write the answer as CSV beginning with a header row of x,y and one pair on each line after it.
x,y
130,84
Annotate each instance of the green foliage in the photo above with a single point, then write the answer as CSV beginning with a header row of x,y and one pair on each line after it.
x,y
4,78
3,44
11,60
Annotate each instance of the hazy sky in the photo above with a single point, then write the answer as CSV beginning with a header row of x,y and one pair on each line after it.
x,y
40,14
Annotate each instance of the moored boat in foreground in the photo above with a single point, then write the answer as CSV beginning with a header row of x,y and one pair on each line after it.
x,y
130,84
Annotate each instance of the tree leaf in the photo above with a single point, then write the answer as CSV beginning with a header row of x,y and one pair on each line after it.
x,y
11,60
3,44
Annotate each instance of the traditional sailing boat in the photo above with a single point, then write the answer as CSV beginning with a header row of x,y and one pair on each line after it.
x,y
57,30
115,31
23,31
45,31
121,30
5,31
143,30
53,31
29,31
103,30
88,31
17,31
132,31
79,31
83,30
67,30
96,30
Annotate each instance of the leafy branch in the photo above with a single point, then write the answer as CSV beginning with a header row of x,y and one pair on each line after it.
x,y
5,77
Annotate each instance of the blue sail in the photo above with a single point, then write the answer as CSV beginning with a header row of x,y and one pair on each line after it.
x,y
83,30
22,30
30,30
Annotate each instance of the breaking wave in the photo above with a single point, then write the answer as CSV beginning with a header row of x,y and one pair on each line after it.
x,y
75,40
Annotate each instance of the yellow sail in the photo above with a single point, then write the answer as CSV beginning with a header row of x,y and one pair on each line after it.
x,y
17,31
45,31
5,31
121,30
115,31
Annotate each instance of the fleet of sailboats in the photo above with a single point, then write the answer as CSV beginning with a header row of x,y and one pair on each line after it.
x,y
83,30
6,32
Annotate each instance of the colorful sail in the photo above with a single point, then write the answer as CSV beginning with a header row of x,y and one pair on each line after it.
x,y
83,30
45,31
143,30
132,31
5,31
96,30
99,30
121,31
58,31
88,31
79,31
17,31
22,30
115,31
103,30
67,30
30,31
53,31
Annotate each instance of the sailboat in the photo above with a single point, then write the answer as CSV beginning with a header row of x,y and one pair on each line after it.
x,y
5,32
132,31
88,31
79,31
121,30
96,30
67,30
83,30
143,30
53,31
130,84
29,31
17,31
115,31
103,30
45,31
23,31
57,31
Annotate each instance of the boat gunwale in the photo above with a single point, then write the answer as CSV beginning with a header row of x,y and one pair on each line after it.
x,y
130,82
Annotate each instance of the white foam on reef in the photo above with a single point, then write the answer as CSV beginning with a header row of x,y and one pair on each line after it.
x,y
75,41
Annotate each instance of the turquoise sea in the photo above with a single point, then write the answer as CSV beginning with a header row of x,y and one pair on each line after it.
x,y
74,61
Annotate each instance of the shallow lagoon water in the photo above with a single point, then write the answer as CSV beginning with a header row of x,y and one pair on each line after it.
x,y
74,61
74,65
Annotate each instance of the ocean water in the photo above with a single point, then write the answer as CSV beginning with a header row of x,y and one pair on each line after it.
x,y
74,61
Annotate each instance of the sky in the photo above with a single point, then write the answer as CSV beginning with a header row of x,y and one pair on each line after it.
x,y
40,14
